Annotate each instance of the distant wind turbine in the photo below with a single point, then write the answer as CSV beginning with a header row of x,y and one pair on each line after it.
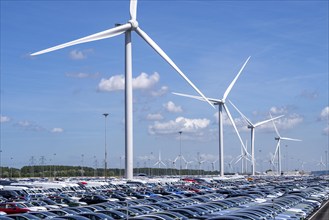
x,y
159,162
243,157
230,167
127,28
278,148
252,127
221,104
321,164
213,165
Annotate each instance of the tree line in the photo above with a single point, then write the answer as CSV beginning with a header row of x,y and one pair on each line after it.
x,y
52,171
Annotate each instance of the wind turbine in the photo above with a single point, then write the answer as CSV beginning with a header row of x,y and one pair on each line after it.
x,y
278,148
321,163
230,165
252,127
213,165
243,157
159,162
127,28
221,104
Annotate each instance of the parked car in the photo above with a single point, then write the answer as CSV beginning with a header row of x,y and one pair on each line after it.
x,y
13,208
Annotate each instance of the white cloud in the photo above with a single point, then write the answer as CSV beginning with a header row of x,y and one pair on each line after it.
x,y
160,92
143,81
78,55
29,126
278,110
154,117
324,115
4,119
114,83
57,130
171,107
191,126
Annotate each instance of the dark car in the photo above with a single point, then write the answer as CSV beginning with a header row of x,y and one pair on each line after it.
x,y
43,215
23,216
93,199
114,214
71,217
96,216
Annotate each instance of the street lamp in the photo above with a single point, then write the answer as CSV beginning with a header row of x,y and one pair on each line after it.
x,y
82,170
11,170
180,152
105,152
54,169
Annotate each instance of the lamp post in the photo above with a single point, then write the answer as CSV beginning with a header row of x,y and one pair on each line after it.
x,y
11,169
105,152
287,161
326,153
180,153
82,161
54,169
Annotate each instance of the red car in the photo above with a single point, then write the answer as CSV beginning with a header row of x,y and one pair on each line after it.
x,y
13,208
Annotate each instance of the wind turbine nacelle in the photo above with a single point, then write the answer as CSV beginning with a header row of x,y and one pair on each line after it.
x,y
249,126
276,138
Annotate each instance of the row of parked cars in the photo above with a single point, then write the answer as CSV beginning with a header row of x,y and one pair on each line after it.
x,y
188,198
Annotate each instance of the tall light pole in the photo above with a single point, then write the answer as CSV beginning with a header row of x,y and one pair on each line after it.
x,y
11,169
82,170
180,153
54,169
105,152
326,152
287,161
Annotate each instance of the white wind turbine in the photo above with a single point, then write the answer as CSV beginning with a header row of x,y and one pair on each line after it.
x,y
221,104
243,157
321,164
252,127
159,162
127,28
229,164
213,165
278,148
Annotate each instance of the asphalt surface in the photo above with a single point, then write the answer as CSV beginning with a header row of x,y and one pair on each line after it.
x,y
322,213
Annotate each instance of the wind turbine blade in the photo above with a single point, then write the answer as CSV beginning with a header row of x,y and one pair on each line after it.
x,y
143,35
290,139
197,97
133,9
163,163
236,130
276,130
239,158
234,80
276,150
271,119
242,115
94,37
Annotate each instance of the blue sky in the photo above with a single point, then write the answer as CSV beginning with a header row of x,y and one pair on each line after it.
x,y
52,104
